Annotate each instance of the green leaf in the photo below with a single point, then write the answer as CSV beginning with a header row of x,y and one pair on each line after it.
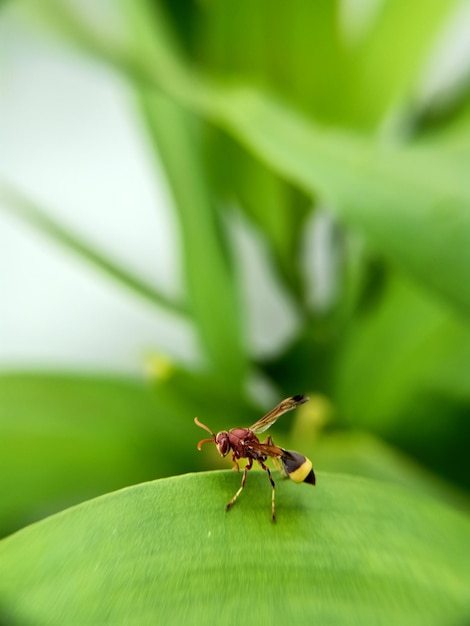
x,y
282,45
375,79
401,372
64,438
210,280
211,286
349,551
277,208
362,454
411,203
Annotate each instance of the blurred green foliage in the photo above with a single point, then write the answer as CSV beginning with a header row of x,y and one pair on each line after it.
x,y
287,113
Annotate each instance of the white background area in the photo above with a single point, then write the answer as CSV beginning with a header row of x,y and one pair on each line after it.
x,y
70,139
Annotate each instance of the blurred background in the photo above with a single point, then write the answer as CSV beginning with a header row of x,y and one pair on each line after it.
x,y
158,263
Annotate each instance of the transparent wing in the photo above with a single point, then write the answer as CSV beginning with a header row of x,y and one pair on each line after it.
x,y
286,405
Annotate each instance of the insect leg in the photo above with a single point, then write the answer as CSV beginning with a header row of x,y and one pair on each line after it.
x,y
248,466
273,485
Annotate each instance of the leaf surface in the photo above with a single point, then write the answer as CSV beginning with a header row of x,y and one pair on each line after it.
x,y
350,551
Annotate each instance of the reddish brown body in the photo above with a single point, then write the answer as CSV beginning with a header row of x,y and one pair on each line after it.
x,y
244,444
240,440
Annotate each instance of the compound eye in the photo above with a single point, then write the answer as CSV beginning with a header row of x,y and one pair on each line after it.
x,y
223,443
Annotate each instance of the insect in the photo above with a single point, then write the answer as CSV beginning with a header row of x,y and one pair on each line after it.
x,y
244,444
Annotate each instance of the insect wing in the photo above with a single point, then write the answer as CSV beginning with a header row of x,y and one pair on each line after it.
x,y
286,405
265,449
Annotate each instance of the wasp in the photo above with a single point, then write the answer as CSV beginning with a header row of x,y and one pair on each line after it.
x,y
244,444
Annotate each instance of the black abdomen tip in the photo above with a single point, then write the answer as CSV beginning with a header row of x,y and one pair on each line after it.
x,y
300,399
310,478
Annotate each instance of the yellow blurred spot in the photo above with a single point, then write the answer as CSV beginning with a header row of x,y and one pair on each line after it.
x,y
311,418
158,367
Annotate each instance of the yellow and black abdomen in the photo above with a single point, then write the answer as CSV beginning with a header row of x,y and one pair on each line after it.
x,y
297,467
